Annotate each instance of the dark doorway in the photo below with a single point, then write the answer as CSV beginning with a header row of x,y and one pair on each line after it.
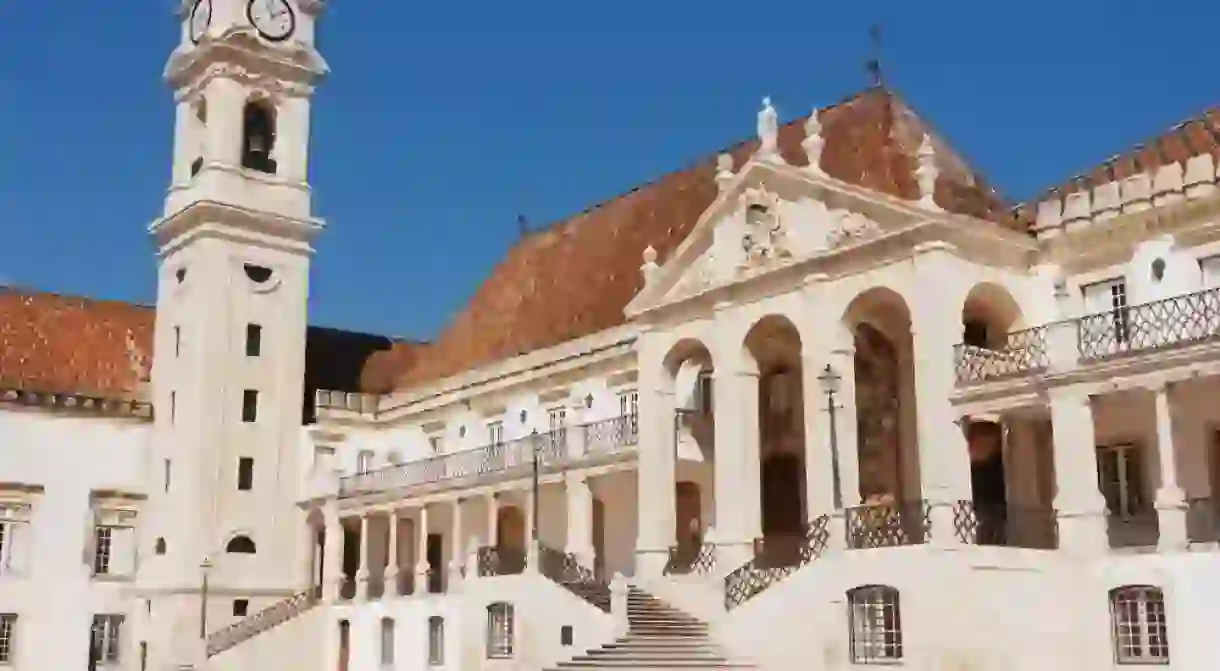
x,y
783,517
987,481
436,563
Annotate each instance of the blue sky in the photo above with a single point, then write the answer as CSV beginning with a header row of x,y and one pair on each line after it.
x,y
442,122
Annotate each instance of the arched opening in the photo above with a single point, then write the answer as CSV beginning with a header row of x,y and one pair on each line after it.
x,y
989,314
241,544
510,539
775,347
258,137
878,415
689,373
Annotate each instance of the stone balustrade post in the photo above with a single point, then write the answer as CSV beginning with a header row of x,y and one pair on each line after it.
x,y
618,605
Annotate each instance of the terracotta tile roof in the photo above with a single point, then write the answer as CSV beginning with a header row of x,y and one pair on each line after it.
x,y
66,344
57,344
575,278
1198,135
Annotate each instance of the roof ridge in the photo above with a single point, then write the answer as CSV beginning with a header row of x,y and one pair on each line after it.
x,y
22,290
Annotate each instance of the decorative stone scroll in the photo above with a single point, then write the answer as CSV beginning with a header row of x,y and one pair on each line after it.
x,y
850,227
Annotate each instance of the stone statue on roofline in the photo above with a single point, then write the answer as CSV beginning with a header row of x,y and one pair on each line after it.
x,y
768,130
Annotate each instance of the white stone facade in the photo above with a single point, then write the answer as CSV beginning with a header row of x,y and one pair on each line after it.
x,y
837,425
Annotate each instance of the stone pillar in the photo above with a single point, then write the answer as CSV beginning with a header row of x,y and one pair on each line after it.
x,y
362,573
655,496
738,515
391,565
332,564
936,326
421,552
580,517
1080,505
457,560
493,519
1170,499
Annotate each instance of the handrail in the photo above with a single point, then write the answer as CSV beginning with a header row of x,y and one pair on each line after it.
x,y
253,625
565,570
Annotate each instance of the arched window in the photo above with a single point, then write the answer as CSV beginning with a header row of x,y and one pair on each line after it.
x,y
241,545
387,641
500,630
258,137
1141,634
436,641
876,625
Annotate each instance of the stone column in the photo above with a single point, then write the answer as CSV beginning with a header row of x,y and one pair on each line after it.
x,y
737,485
1080,505
944,459
655,472
332,564
532,543
362,573
1170,499
391,565
493,519
580,517
421,552
457,560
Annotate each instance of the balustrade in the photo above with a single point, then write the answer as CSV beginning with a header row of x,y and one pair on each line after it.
x,y
566,570
881,525
253,625
1023,352
699,560
1006,525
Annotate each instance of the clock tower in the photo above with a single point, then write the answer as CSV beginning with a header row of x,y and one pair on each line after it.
x,y
223,535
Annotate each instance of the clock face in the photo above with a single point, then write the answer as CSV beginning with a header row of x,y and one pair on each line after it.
x,y
201,18
274,19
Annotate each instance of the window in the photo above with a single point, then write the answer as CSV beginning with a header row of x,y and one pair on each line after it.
x,y
436,641
8,628
500,631
168,468
703,391
1141,635
436,444
495,433
241,545
245,473
1121,480
876,625
565,635
105,640
249,405
241,607
258,137
1109,296
387,641
14,541
159,546
177,340
257,274
173,406
1211,271
629,403
364,461
254,340
557,422
974,333
114,550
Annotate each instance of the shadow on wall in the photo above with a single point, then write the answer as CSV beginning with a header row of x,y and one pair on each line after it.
x,y
347,361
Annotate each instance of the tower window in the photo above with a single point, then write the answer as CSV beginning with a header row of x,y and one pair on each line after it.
x,y
257,274
240,607
159,546
173,406
249,405
258,137
177,340
245,473
254,340
169,465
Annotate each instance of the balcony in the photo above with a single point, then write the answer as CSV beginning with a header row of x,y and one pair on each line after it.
x,y
1176,322
563,447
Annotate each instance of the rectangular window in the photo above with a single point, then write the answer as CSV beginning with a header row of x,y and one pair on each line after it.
x,y
169,465
105,640
254,340
557,422
14,539
241,607
177,341
704,391
249,406
436,444
8,629
495,433
364,461
245,473
114,551
173,406
1120,476
1110,297
103,537
387,641
629,403
436,641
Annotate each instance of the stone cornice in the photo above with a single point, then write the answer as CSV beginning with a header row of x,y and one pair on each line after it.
x,y
289,69
206,218
76,404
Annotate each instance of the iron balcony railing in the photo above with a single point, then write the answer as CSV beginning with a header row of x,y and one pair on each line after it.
x,y
1023,352
565,569
691,560
494,560
267,618
1173,322
771,565
1006,525
554,448
880,525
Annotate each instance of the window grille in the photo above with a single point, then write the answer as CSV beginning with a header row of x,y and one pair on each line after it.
x,y
500,631
1141,635
876,625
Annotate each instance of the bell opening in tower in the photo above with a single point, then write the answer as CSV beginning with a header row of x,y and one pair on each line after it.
x,y
258,137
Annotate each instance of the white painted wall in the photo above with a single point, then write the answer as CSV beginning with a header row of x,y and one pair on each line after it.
x,y
56,596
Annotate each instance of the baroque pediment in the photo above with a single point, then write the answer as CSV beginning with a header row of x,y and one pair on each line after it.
x,y
753,229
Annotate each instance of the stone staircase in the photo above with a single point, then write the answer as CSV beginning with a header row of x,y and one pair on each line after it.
x,y
659,637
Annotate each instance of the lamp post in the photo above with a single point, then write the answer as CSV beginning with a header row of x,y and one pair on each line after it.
x,y
205,567
830,381
535,446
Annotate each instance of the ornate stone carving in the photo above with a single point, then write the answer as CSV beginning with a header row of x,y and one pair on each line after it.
x,y
763,239
927,173
768,131
850,227
814,143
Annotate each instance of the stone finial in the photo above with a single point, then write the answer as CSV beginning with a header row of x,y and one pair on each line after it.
x,y
724,171
650,267
926,173
814,143
768,131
